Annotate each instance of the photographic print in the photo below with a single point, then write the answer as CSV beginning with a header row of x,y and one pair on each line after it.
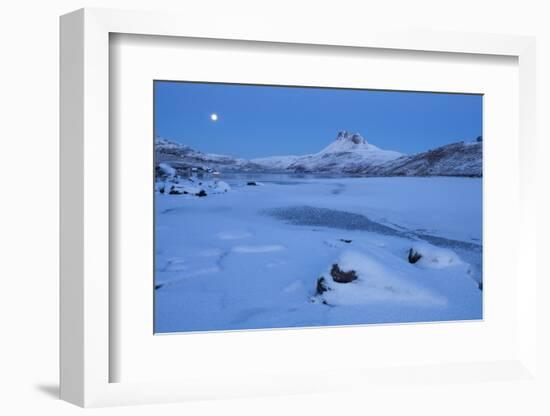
x,y
293,207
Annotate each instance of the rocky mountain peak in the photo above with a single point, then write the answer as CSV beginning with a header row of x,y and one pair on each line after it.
x,y
346,136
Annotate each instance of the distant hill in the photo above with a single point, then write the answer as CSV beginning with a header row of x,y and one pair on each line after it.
x,y
182,157
456,159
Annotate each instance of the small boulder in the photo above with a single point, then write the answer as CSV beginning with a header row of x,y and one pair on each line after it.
x,y
414,256
202,192
252,183
343,240
340,276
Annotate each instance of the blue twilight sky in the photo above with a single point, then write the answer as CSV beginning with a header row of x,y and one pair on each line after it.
x,y
255,121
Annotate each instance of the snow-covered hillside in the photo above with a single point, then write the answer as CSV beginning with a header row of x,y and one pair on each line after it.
x,y
276,163
182,157
456,159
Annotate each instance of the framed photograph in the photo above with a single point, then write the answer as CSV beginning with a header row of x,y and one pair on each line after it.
x,y
269,215
245,213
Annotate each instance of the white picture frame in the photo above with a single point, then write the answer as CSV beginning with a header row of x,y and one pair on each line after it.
x,y
86,355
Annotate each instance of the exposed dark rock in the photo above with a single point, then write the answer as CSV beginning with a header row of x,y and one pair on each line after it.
x,y
480,286
252,183
340,276
175,191
321,286
202,192
414,256
158,286
343,240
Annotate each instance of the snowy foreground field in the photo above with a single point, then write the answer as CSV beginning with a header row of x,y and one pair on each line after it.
x,y
253,256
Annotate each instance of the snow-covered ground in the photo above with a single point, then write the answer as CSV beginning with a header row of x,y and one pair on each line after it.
x,y
252,257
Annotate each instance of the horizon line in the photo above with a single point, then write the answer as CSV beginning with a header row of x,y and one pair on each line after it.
x,y
306,154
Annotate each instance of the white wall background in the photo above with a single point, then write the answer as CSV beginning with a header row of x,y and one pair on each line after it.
x,y
29,205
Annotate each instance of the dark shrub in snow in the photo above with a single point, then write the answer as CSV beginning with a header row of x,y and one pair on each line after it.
x,y
414,256
321,286
340,276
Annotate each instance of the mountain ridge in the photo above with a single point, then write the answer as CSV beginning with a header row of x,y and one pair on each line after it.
x,y
348,154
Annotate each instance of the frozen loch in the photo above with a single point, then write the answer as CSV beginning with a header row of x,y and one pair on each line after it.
x,y
299,250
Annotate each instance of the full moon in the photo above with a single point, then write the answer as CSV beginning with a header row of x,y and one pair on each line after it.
x,y
213,117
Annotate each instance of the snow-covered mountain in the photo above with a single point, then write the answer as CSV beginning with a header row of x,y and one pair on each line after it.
x,y
348,153
456,159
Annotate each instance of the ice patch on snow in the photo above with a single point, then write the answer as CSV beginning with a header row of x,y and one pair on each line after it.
x,y
206,270
258,249
233,235
294,286
214,252
275,263
331,218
